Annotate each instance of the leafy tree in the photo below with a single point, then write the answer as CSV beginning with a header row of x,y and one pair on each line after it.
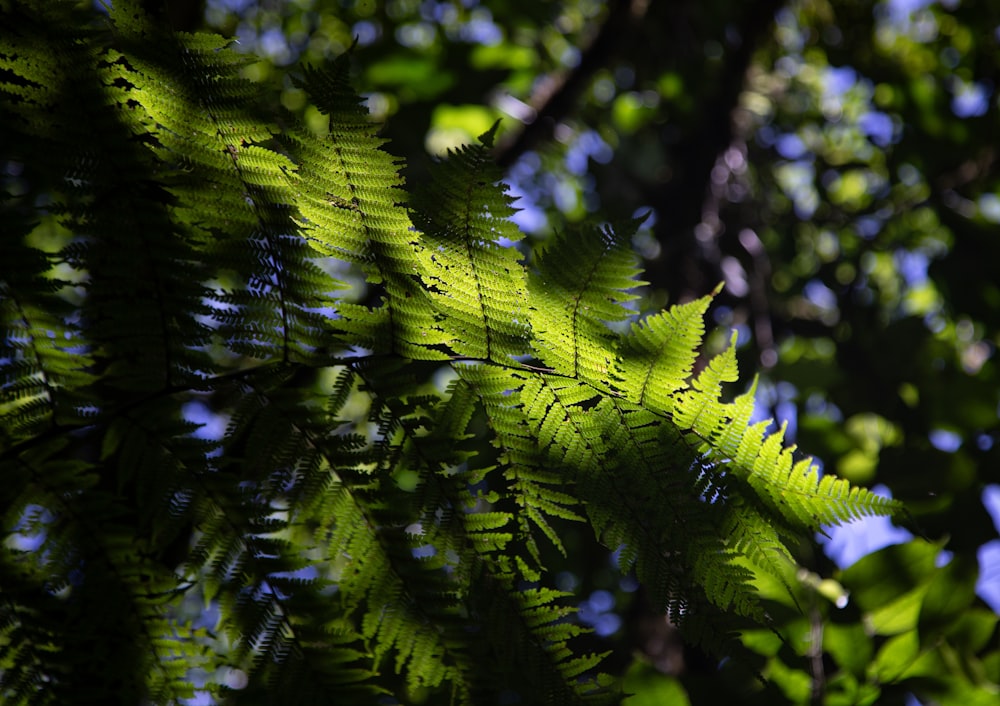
x,y
281,425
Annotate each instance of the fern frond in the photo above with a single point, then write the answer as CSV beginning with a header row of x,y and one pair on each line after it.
x,y
43,376
186,98
274,606
579,285
791,489
101,576
404,604
471,268
659,352
482,555
545,665
45,358
657,359
349,197
518,408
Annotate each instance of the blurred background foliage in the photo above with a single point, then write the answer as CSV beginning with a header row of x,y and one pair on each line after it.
x,y
835,163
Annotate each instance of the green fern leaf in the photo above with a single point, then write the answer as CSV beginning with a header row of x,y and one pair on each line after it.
x,y
349,196
579,286
659,352
470,268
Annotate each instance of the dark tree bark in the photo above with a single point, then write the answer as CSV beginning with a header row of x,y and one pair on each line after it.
x,y
684,267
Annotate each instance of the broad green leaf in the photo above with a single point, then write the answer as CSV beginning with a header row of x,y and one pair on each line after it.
x,y
899,615
651,687
849,645
895,657
887,574
950,593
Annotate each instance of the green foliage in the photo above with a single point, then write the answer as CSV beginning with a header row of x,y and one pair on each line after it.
x,y
376,518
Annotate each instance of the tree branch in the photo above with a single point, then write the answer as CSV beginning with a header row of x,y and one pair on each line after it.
x,y
557,96
681,201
